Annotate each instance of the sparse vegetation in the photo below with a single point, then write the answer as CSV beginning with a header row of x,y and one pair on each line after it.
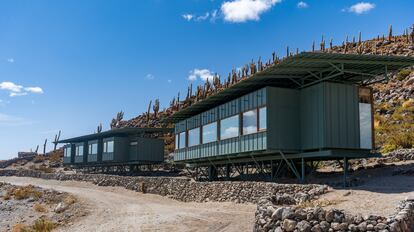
x,y
69,200
403,74
42,225
320,203
19,227
20,193
39,208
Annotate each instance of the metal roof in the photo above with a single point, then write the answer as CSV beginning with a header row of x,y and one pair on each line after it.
x,y
116,132
303,70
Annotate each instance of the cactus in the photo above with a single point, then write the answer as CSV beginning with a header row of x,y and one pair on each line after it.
x,y
37,149
44,147
313,46
55,142
115,121
359,38
330,44
148,111
412,34
156,107
390,33
99,128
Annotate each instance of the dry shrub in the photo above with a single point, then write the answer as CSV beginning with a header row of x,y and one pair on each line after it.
x,y
39,208
19,227
320,203
6,196
403,74
43,225
25,192
55,157
69,200
45,169
409,103
39,159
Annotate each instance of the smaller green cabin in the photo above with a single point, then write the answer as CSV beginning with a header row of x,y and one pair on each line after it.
x,y
118,146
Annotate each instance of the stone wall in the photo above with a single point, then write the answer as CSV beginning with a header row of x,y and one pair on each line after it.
x,y
184,189
270,217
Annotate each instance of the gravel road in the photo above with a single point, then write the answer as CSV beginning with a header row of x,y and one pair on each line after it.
x,y
118,209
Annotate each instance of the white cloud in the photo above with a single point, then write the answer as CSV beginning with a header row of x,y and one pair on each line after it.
x,y
188,17
302,5
202,17
34,89
13,94
10,86
360,8
239,11
169,81
18,90
149,76
10,60
203,74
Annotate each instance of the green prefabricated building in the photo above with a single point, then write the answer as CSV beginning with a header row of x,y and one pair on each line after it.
x,y
115,147
313,106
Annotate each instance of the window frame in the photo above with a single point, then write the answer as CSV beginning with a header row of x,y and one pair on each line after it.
x,y
105,146
258,118
217,132
257,121
188,137
79,152
238,127
90,147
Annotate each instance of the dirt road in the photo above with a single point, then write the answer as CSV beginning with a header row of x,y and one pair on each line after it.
x,y
118,209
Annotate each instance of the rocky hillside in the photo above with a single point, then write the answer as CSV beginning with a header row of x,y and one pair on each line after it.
x,y
394,100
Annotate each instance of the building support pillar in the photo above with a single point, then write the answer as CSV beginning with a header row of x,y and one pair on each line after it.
x,y
303,170
228,171
212,173
345,166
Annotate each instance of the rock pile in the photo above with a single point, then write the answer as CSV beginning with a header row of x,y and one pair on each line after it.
x,y
184,189
270,217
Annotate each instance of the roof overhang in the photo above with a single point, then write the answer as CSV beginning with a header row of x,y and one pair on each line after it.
x,y
117,132
303,70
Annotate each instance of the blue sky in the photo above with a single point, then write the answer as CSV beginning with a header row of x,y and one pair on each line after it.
x,y
70,65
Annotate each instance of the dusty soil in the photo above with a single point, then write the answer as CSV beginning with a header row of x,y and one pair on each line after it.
x,y
118,209
379,193
21,206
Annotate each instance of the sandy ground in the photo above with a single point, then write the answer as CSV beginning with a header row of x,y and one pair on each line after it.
x,y
379,194
118,209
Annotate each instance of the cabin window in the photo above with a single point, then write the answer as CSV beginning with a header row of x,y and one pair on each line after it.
x,y
262,118
210,133
365,118
182,140
229,127
108,146
194,137
67,151
79,150
93,149
250,122
177,136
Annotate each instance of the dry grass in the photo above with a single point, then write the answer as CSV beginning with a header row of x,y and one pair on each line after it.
x,y
43,225
25,192
39,208
320,203
19,227
39,159
69,200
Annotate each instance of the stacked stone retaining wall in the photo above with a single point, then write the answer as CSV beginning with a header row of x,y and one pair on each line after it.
x,y
271,218
184,189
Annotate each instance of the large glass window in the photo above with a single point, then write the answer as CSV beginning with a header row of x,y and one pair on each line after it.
x,y
79,150
194,137
250,122
262,118
67,151
229,127
108,146
182,140
176,141
210,132
93,149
